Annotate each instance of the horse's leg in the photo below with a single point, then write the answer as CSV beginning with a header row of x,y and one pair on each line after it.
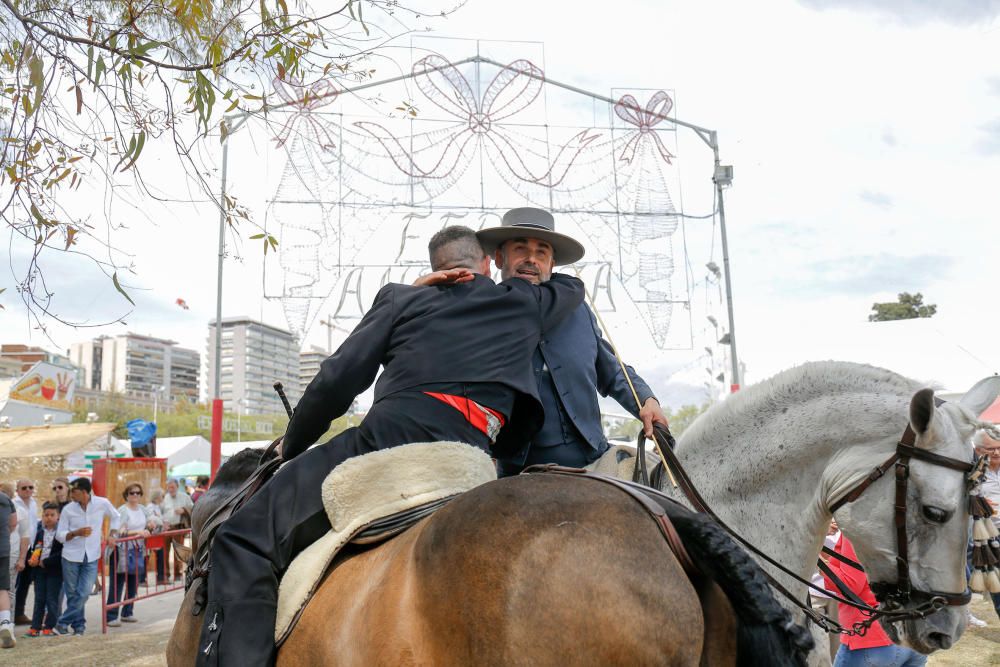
x,y
720,626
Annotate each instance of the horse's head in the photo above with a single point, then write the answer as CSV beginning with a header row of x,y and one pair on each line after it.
x,y
936,520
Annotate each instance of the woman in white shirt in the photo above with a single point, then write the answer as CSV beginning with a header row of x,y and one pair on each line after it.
x,y
128,559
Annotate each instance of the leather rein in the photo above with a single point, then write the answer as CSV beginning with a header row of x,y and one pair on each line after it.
x,y
895,595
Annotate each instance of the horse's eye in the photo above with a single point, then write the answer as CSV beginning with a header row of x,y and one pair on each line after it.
x,y
935,514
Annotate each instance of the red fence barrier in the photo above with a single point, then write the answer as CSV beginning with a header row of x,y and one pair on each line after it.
x,y
120,590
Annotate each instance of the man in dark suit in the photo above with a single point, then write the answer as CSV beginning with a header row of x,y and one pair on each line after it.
x,y
457,366
573,362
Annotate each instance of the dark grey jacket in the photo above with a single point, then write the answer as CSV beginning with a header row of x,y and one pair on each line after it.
x,y
475,332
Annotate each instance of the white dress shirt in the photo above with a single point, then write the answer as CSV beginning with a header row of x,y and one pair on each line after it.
x,y
31,507
74,517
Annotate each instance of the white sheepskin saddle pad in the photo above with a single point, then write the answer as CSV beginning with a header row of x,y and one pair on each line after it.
x,y
367,488
619,462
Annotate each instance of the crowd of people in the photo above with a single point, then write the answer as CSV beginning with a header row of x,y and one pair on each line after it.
x,y
56,547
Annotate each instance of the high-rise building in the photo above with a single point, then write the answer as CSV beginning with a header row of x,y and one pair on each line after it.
x,y
309,361
254,356
136,364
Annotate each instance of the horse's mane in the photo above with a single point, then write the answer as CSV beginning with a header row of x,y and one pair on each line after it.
x,y
767,633
239,466
801,384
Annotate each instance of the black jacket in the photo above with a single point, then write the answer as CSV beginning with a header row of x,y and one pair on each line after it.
x,y
475,332
53,563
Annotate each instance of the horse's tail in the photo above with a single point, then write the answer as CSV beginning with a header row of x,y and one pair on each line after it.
x,y
767,634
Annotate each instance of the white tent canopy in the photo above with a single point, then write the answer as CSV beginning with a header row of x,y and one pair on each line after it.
x,y
183,449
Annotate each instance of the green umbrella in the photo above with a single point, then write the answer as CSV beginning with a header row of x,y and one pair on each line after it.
x,y
191,469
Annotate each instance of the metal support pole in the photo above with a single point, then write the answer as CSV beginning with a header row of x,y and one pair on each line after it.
x,y
216,455
734,384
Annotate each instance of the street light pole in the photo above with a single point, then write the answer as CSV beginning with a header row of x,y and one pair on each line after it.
x,y
723,176
216,455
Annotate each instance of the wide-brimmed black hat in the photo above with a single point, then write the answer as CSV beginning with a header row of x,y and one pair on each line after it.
x,y
535,223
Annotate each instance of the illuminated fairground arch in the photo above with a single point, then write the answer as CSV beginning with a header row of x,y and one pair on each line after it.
x,y
466,138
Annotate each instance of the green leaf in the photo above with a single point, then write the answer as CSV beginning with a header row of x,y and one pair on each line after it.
x,y
38,216
99,70
37,78
257,236
143,49
118,286
134,149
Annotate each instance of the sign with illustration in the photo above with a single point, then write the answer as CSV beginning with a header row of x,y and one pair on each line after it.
x,y
46,385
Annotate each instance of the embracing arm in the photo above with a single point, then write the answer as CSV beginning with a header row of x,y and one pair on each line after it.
x,y
342,376
557,297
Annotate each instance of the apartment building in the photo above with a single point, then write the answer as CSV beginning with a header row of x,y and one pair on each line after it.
x,y
255,355
309,361
138,365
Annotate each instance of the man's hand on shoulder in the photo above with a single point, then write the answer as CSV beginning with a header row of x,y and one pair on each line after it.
x,y
446,277
650,413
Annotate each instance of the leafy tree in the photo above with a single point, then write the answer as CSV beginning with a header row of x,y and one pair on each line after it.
x,y
183,420
908,307
684,417
679,422
87,86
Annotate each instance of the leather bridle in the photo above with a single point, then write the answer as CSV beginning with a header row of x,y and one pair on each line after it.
x,y
902,591
892,595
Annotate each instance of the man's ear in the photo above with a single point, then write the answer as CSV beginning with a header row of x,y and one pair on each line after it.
x,y
498,258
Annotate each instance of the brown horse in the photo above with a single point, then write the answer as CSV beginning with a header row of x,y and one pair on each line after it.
x,y
540,570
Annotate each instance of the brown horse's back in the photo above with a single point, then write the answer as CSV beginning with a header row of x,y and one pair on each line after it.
x,y
540,570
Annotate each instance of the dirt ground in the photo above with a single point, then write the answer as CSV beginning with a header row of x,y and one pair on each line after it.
x,y
143,644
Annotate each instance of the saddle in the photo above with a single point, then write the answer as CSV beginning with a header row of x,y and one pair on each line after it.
x,y
375,497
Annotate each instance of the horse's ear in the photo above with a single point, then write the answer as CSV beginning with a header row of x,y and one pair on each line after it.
x,y
922,410
981,396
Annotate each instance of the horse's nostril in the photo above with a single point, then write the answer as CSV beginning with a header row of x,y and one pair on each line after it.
x,y
940,640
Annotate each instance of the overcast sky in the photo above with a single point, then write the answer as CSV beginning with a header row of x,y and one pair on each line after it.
x,y
864,134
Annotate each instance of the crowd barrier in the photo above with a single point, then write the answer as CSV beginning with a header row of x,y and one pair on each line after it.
x,y
134,553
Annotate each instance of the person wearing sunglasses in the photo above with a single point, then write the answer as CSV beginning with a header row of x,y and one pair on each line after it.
x,y
60,492
128,558
27,510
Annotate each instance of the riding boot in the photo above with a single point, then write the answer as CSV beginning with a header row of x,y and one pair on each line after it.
x,y
251,646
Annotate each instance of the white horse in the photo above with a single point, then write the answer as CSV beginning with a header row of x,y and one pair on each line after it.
x,y
772,459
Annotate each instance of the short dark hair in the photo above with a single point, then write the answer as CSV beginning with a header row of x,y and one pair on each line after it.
x,y
202,480
465,244
81,484
49,505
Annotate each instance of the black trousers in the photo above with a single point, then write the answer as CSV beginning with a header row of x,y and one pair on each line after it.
x,y
23,584
257,544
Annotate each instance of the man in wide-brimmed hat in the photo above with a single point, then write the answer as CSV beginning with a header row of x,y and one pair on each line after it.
x,y
573,362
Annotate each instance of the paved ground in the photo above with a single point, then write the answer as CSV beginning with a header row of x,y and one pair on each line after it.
x,y
143,644
132,644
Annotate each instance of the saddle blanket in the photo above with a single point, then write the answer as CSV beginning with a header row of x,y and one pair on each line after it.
x,y
364,489
619,462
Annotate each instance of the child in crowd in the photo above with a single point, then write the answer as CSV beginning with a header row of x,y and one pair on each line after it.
x,y
46,559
